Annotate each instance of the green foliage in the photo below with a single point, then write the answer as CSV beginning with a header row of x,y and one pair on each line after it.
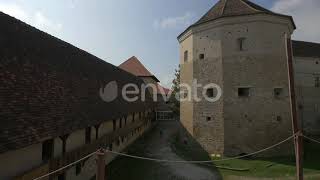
x,y
175,103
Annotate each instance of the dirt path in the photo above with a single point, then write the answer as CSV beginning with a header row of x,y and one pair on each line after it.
x,y
158,146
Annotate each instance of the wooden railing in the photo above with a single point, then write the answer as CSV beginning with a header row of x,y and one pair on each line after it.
x,y
102,142
83,151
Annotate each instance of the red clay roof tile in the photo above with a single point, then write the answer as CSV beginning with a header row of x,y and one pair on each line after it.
x,y
135,67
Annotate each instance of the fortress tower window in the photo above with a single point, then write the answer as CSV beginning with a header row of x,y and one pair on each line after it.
x,y
279,118
242,44
210,92
243,92
185,56
278,92
184,94
47,149
208,118
201,56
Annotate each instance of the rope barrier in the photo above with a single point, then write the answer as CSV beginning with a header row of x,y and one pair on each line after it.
x,y
62,168
170,161
199,162
309,138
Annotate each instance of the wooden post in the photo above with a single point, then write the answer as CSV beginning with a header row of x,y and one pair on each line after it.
x,y
100,165
298,139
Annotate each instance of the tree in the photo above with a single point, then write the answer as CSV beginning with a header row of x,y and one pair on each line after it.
x,y
175,91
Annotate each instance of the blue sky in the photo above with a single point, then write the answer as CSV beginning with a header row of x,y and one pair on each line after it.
x,y
115,30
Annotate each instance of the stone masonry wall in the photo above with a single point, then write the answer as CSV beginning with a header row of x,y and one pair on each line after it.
x,y
208,116
240,125
186,77
260,120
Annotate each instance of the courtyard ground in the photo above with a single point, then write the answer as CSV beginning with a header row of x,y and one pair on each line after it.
x,y
155,145
176,144
254,168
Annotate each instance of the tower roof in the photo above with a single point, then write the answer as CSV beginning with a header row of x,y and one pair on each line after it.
x,y
306,49
231,8
135,67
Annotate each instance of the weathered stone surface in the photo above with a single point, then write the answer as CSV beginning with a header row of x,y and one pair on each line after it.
x,y
239,125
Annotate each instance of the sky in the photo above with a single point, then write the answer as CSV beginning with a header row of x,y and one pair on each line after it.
x,y
115,30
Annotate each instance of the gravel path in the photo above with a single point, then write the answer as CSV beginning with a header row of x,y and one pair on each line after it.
x,y
158,146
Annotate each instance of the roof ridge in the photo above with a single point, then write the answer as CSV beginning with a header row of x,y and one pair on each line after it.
x,y
224,7
232,8
127,60
250,6
134,66
258,7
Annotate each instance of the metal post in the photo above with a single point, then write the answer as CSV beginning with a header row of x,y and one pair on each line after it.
x,y
298,140
100,165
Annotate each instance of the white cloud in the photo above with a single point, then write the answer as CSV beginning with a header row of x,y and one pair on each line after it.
x,y
14,10
306,16
37,19
42,22
174,22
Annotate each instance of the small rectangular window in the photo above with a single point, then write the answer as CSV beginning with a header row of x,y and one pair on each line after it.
x,y
208,118
88,135
243,92
278,92
241,44
47,150
210,92
184,93
185,56
201,56
279,118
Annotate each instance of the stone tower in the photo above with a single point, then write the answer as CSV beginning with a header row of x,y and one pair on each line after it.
x,y
241,47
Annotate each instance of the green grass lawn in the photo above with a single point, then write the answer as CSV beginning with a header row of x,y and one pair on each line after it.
x,y
254,167
274,167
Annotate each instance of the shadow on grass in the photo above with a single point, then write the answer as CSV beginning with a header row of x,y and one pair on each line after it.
x,y
275,166
311,157
186,147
